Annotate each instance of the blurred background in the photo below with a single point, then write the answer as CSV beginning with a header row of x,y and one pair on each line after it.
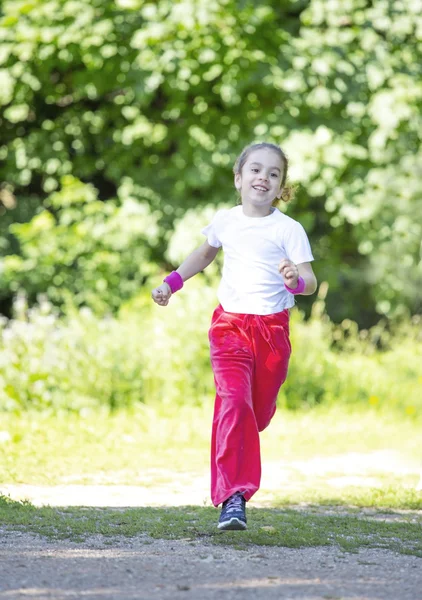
x,y
120,121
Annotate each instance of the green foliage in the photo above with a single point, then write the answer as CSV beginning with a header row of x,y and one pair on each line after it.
x,y
96,253
80,363
152,354
165,94
338,364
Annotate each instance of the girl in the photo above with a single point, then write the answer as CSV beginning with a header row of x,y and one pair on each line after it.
x,y
266,262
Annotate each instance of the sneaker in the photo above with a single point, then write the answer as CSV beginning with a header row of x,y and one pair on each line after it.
x,y
233,513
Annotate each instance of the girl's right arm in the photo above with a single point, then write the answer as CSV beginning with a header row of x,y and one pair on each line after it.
x,y
197,261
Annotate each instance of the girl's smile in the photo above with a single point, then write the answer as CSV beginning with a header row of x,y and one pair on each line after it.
x,y
260,188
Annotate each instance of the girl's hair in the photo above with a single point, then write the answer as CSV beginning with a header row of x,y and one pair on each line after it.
x,y
288,190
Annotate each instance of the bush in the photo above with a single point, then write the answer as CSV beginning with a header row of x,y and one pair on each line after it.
x,y
152,354
98,253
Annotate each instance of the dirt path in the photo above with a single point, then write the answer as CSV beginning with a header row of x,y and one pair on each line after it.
x,y
141,568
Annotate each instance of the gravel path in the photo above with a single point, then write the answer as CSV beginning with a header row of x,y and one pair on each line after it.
x,y
141,568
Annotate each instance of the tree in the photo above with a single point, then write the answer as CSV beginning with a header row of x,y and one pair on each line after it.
x,y
164,95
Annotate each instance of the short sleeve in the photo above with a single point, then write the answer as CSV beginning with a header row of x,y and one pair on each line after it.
x,y
297,246
212,230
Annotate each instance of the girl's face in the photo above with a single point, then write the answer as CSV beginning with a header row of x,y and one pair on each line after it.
x,y
259,182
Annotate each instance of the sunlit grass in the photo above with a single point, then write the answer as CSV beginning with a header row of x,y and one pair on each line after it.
x,y
286,528
325,457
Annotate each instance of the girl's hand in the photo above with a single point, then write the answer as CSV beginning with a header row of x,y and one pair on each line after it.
x,y
290,273
161,295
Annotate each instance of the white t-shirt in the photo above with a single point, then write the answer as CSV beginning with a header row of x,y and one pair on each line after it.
x,y
253,248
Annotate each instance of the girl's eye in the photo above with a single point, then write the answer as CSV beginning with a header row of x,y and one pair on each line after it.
x,y
274,175
255,169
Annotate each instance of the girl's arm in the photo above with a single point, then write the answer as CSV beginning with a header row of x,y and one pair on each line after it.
x,y
292,272
306,272
197,261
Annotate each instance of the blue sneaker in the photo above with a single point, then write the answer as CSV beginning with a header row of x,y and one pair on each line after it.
x,y
233,513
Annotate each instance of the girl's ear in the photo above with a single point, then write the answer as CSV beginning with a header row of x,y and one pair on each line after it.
x,y
279,193
237,181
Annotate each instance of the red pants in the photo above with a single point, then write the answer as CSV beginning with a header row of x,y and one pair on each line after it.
x,y
249,357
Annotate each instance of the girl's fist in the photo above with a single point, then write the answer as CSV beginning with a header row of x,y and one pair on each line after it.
x,y
289,272
161,294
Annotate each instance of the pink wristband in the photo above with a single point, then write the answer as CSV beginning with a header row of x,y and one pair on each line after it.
x,y
174,281
299,288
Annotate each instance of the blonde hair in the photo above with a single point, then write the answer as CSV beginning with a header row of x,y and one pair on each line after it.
x,y
288,190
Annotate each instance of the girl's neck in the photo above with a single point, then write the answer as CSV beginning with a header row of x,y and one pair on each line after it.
x,y
257,212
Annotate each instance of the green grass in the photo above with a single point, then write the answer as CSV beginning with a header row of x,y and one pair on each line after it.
x,y
42,448
317,450
267,527
46,449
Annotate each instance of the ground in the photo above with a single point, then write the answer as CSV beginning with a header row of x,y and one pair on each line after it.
x,y
120,568
142,568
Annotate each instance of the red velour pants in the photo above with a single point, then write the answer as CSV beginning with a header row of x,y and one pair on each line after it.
x,y
249,358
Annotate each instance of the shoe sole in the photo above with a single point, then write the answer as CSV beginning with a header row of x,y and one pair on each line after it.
x,y
232,525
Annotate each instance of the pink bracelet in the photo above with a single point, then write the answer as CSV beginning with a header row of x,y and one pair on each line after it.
x,y
299,288
174,281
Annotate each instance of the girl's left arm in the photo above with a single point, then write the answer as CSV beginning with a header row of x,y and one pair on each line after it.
x,y
307,274
291,273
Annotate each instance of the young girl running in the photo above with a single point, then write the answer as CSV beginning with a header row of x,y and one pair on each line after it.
x,y
266,263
